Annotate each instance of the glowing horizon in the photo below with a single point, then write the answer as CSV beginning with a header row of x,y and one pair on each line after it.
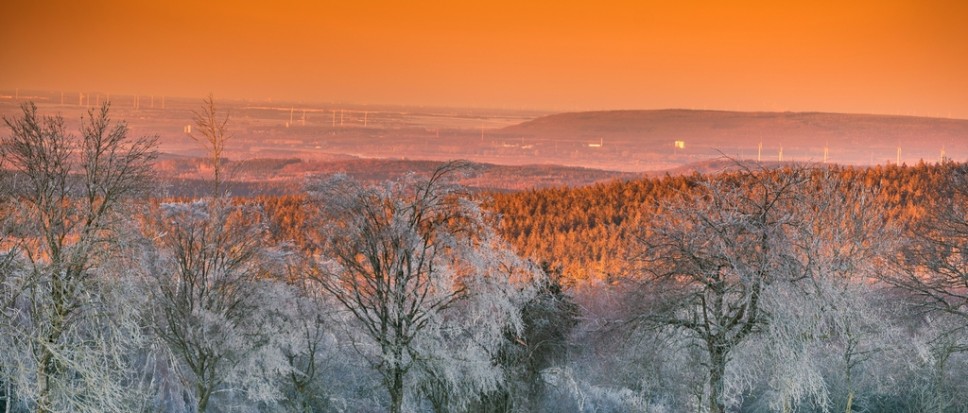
x,y
893,57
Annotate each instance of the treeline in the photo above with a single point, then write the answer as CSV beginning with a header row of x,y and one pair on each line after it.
x,y
792,288
589,231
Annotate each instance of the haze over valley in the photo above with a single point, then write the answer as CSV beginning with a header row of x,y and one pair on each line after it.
x,y
285,142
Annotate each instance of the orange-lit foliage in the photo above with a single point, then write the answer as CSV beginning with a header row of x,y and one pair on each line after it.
x,y
588,231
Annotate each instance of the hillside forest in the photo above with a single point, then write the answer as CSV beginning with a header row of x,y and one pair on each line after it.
x,y
764,288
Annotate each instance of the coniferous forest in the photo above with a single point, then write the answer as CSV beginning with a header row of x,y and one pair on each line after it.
x,y
765,288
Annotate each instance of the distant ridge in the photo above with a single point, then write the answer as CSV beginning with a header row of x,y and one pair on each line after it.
x,y
636,121
850,138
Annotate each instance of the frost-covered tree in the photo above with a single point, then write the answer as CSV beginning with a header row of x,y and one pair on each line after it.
x,y
548,319
841,248
63,336
780,264
7,267
427,281
8,244
215,301
313,350
933,263
216,298
711,254
829,346
614,369
931,270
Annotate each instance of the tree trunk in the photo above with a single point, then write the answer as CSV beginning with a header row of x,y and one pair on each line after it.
x,y
47,368
203,396
396,391
717,373
43,391
45,371
9,397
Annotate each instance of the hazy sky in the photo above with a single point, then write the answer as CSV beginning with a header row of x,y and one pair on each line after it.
x,y
907,57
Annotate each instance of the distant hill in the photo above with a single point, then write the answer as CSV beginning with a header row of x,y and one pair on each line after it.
x,y
849,138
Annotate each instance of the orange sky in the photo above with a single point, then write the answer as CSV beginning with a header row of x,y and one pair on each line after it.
x,y
907,57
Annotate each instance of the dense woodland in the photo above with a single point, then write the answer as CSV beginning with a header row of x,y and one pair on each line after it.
x,y
790,288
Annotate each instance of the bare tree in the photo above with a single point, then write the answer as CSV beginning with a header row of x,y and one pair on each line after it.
x,y
214,130
65,194
710,256
427,280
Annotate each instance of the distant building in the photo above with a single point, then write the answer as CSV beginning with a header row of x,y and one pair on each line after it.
x,y
600,143
680,144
